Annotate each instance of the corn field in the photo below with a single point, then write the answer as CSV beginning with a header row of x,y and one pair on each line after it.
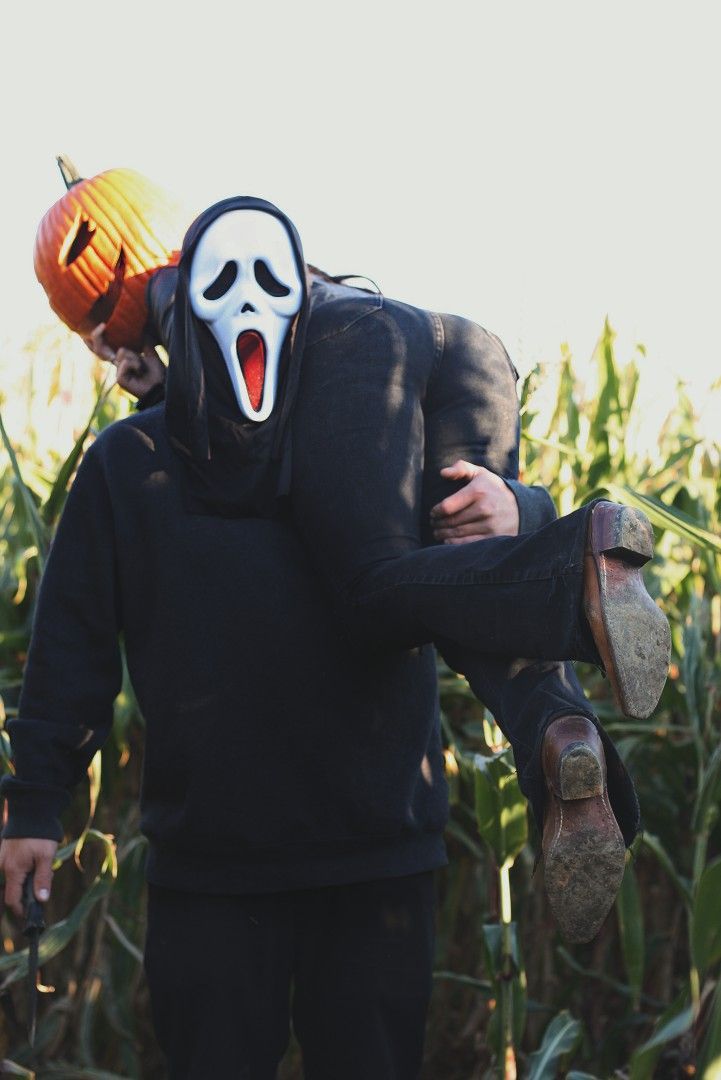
x,y
510,999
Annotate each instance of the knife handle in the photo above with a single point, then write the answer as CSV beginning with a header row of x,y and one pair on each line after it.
x,y
34,918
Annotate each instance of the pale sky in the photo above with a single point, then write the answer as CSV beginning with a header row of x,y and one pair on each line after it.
x,y
532,165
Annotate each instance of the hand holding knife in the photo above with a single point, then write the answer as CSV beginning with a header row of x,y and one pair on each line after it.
x,y
26,863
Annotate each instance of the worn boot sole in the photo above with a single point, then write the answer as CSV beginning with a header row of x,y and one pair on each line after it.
x,y
630,631
584,858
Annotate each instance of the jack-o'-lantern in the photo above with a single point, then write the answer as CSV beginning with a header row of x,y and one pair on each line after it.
x,y
98,245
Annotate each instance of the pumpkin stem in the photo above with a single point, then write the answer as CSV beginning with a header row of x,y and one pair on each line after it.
x,y
68,171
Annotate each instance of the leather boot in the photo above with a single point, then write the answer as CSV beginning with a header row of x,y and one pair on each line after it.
x,y
583,849
630,631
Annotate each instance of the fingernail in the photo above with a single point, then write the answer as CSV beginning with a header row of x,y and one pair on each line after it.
x,y
43,894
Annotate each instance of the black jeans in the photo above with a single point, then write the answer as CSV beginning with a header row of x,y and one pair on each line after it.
x,y
389,395
358,957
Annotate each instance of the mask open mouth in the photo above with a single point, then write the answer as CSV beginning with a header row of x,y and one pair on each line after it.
x,y
250,348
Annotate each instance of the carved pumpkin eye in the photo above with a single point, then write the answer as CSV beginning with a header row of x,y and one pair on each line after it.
x,y
78,238
268,281
223,282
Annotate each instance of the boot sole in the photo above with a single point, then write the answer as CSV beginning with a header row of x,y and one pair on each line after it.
x,y
631,632
584,862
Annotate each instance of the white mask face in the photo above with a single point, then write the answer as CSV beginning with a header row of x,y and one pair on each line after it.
x,y
245,284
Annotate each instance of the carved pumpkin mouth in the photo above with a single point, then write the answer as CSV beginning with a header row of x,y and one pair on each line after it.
x,y
105,305
250,349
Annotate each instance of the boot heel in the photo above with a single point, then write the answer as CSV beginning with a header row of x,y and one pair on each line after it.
x,y
626,535
580,773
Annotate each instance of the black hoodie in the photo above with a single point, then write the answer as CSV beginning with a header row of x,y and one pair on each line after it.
x,y
276,756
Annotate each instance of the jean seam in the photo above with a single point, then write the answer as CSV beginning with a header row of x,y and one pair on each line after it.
x,y
446,582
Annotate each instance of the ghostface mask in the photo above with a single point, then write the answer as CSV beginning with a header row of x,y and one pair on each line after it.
x,y
236,345
246,285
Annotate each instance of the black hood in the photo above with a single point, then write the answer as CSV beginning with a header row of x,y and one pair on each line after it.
x,y
234,466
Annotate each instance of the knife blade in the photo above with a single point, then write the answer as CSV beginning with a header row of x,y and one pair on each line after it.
x,y
33,928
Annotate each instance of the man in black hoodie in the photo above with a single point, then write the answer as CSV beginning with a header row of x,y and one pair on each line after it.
x,y
305,841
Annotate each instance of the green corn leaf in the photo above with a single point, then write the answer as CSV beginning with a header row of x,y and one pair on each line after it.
x,y
481,985
500,807
608,398
600,467
693,665
671,1024
561,1038
670,1030
55,380
601,977
453,828
706,918
13,639
631,381
710,1057
64,853
666,517
58,493
654,845
492,948
124,940
56,499
630,926
566,419
11,1068
669,466
94,777
707,802
561,448
494,960
35,522
56,937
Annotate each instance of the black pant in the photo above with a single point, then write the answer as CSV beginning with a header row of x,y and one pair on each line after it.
x,y
385,401
359,958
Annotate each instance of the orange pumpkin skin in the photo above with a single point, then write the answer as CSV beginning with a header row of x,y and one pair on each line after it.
x,y
97,246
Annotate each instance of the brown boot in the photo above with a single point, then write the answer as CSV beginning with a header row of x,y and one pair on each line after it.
x,y
583,849
630,631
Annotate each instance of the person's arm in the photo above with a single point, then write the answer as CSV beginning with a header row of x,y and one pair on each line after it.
x,y
472,436
142,375
72,677
488,505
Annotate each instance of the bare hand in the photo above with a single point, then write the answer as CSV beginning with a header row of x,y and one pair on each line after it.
x,y
135,372
17,859
485,507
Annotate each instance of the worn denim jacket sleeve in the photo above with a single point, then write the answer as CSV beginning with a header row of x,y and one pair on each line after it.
x,y
535,505
471,412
